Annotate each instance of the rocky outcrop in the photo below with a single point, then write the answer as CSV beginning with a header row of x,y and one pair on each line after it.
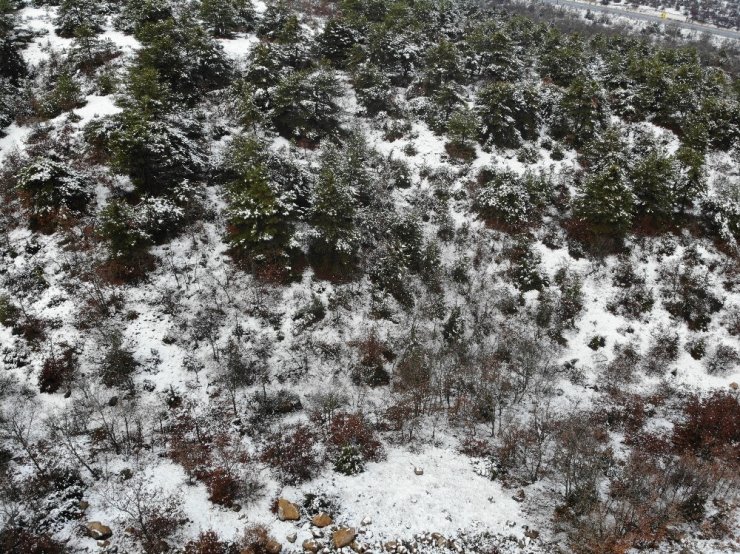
x,y
287,511
321,520
97,530
343,537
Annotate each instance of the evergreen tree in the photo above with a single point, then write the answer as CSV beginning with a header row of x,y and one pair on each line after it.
x,y
334,240
493,53
462,128
225,17
136,14
582,112
563,58
120,227
185,57
336,41
48,184
157,154
373,89
442,64
654,181
606,203
76,14
304,105
509,114
261,212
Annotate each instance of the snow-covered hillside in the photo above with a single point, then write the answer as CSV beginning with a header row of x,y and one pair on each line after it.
x,y
458,280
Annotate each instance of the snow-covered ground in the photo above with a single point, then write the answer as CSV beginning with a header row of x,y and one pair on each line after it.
x,y
450,497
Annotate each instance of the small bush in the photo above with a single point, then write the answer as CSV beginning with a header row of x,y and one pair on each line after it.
x,y
118,363
723,360
9,313
207,542
222,487
349,461
255,541
710,427
58,371
351,430
294,454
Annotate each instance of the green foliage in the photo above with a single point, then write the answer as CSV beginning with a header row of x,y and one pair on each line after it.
x,y
65,96
157,154
462,127
373,89
493,52
654,181
350,461
509,113
9,313
135,14
524,269
563,58
334,242
118,363
122,230
48,184
336,42
582,112
606,203
442,65
261,213
304,105
187,59
510,200
75,16
225,17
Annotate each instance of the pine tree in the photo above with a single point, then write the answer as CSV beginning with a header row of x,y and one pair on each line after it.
x,y
74,14
261,212
225,17
509,113
48,184
654,181
336,41
304,105
157,154
462,127
334,241
582,111
606,203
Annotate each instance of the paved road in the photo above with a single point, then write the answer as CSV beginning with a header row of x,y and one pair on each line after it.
x,y
574,4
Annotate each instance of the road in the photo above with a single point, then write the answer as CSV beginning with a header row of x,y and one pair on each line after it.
x,y
637,16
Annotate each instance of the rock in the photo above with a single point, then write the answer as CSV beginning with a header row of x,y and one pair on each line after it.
x,y
358,547
98,531
321,520
519,496
273,547
317,533
310,546
390,546
419,471
103,544
439,540
113,401
236,507
733,385
291,537
343,537
532,534
366,520
287,511
83,505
